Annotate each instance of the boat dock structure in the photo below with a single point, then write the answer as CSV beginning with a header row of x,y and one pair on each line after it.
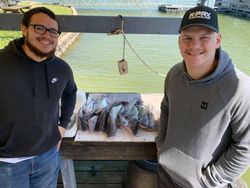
x,y
169,8
235,7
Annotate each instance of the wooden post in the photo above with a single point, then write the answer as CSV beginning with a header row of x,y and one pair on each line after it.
x,y
68,173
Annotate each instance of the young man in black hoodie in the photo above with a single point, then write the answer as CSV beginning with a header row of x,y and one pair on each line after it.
x,y
32,123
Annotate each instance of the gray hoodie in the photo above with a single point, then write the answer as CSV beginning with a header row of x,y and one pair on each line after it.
x,y
204,132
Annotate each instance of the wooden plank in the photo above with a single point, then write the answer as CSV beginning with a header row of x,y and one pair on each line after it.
x,y
122,135
92,172
15,8
107,166
103,24
98,174
95,186
68,173
93,177
98,177
107,151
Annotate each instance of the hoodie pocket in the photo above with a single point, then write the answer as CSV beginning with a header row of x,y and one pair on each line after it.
x,y
4,115
184,169
29,138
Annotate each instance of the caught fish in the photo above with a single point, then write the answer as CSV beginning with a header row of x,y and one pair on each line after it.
x,y
143,116
122,122
72,121
127,108
151,121
133,125
101,104
101,122
88,109
111,126
130,112
92,123
81,121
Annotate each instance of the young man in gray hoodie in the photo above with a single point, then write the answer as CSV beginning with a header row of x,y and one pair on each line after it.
x,y
204,133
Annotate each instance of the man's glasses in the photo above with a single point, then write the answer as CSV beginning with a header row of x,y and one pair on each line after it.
x,y
40,29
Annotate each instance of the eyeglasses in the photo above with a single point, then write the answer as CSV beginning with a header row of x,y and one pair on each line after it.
x,y
40,29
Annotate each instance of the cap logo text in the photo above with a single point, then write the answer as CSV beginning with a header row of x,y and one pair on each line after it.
x,y
200,14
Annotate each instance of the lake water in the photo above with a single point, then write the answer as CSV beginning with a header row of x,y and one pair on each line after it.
x,y
94,57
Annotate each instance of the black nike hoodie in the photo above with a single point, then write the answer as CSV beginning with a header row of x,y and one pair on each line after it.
x,y
31,94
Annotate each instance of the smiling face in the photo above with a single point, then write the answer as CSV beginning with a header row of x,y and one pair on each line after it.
x,y
198,45
39,46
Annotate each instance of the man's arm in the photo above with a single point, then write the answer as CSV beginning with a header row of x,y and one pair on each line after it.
x,y
62,131
236,160
68,101
162,128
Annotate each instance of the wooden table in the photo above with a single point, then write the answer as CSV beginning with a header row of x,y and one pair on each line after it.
x,y
15,8
71,149
97,146
107,150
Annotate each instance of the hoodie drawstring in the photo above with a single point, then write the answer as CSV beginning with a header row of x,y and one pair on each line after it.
x,y
33,80
47,79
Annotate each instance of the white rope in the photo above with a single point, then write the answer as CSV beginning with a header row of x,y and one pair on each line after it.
x,y
133,50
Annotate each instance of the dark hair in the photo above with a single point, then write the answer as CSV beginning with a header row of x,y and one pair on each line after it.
x,y
27,15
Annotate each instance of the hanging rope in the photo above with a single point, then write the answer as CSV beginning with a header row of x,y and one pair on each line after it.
x,y
134,51
124,41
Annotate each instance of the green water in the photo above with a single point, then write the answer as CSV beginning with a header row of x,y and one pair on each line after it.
x,y
94,57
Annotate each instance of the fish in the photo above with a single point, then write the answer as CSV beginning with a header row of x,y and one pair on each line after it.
x,y
153,115
133,125
82,122
101,122
72,121
130,112
100,104
88,109
92,123
121,121
151,121
143,116
111,128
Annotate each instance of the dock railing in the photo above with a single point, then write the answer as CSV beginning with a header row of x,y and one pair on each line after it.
x,y
15,8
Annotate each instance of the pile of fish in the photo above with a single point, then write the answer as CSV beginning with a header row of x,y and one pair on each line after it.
x,y
99,114
72,121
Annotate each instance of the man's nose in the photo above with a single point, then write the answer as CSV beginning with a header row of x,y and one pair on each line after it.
x,y
47,34
195,43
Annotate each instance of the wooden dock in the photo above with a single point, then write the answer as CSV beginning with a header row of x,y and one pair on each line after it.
x,y
15,8
169,8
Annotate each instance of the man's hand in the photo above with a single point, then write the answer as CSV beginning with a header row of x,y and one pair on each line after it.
x,y
62,131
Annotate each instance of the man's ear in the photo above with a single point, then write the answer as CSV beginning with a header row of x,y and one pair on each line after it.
x,y
179,40
218,40
24,29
